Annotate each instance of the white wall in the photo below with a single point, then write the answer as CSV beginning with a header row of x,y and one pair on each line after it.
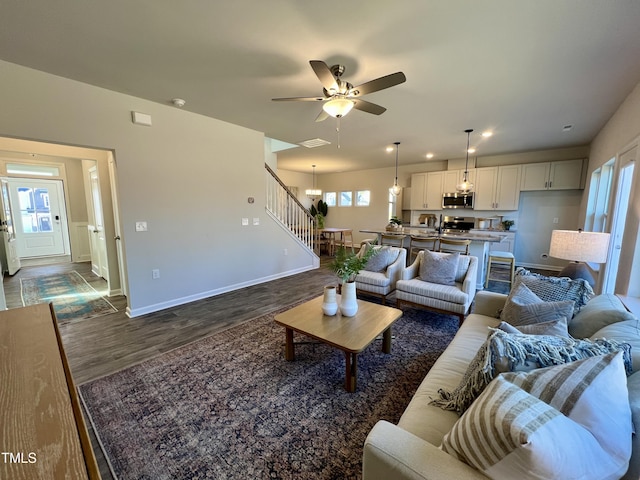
x,y
188,176
622,129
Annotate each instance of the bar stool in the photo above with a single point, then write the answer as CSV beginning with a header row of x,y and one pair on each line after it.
x,y
420,243
392,240
449,245
501,257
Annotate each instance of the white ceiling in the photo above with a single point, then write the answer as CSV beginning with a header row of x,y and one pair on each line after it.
x,y
523,69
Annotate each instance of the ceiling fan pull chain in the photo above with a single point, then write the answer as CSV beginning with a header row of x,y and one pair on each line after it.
x,y
338,130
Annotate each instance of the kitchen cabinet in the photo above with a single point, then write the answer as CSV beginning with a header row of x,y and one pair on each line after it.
x,y
497,188
426,190
452,178
564,175
506,245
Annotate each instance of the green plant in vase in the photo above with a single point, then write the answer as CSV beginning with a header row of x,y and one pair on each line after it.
x,y
507,224
346,265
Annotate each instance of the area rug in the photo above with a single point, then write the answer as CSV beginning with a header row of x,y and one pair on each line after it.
x,y
230,407
72,297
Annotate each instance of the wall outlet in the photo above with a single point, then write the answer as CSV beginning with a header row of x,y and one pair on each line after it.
x,y
544,256
155,273
245,222
556,220
256,221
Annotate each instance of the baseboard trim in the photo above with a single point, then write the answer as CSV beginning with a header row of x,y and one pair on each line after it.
x,y
539,266
136,312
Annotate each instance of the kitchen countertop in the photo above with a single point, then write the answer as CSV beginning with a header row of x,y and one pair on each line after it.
x,y
477,236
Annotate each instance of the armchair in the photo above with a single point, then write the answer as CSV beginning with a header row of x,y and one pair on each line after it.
x,y
453,299
388,265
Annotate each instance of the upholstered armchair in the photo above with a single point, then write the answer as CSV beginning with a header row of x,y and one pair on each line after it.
x,y
382,272
440,284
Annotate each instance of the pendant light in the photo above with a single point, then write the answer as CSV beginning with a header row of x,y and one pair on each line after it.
x,y
313,192
395,190
466,186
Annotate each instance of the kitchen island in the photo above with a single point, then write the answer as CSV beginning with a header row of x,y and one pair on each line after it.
x,y
480,243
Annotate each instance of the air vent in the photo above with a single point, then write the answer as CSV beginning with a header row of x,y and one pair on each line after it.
x,y
314,142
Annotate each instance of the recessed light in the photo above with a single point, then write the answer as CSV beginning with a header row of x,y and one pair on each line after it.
x,y
487,134
472,150
389,149
429,155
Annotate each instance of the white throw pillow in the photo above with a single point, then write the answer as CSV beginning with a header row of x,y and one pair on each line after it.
x,y
570,421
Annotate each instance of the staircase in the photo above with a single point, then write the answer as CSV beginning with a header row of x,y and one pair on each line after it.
x,y
285,208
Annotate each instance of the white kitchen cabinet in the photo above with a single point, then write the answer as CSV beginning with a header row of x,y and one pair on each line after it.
x,y
497,188
564,175
452,178
506,245
426,191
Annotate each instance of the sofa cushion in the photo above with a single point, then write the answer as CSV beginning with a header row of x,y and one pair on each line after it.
x,y
440,268
505,352
553,289
380,261
447,293
549,423
373,278
633,385
628,332
599,312
523,307
552,327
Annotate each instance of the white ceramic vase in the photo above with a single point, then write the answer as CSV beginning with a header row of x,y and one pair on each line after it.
x,y
329,302
348,301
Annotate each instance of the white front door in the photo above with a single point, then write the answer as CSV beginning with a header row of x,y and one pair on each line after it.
x,y
40,217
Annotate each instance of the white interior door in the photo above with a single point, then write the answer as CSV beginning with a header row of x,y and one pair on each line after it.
x,y
8,231
98,242
40,217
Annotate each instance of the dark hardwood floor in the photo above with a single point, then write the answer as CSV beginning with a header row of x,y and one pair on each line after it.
x,y
102,345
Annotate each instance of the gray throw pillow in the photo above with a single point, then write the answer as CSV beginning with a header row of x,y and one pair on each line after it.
x,y
504,352
439,267
554,289
523,307
552,327
601,311
386,256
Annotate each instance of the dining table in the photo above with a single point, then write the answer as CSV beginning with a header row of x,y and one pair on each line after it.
x,y
330,233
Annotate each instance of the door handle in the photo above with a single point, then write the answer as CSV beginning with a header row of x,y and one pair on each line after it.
x,y
116,237
96,231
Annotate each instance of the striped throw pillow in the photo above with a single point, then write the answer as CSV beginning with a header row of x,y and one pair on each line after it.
x,y
569,421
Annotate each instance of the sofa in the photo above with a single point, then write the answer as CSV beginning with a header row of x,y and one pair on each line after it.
x,y
412,448
434,291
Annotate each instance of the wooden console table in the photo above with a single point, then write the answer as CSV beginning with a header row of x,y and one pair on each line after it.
x,y
42,432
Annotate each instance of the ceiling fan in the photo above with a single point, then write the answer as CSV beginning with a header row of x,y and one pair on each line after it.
x,y
341,96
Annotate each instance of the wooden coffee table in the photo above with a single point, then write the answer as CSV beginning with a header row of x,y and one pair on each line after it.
x,y
349,334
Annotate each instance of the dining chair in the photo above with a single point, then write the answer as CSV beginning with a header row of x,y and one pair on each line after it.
x,y
346,240
421,243
450,245
392,240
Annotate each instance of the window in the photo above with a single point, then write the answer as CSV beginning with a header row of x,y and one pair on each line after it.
x,y
28,169
392,204
363,198
330,199
599,194
346,199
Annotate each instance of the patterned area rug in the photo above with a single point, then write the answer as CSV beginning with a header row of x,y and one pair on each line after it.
x,y
72,297
230,407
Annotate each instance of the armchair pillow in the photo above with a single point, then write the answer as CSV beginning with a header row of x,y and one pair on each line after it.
x,y
440,268
567,421
385,257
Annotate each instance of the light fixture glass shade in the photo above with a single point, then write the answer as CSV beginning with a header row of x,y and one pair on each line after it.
x,y
579,246
465,186
313,192
338,107
395,190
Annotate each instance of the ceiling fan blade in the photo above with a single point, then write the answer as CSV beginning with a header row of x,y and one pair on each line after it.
x,y
322,116
323,72
378,84
368,106
299,99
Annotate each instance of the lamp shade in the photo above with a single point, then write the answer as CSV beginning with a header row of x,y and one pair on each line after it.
x,y
338,107
579,246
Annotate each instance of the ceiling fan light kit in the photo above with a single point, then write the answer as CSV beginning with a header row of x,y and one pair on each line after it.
x,y
341,96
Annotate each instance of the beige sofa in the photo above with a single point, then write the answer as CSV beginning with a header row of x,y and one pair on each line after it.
x,y
410,450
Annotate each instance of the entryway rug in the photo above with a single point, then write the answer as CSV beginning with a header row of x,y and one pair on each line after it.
x,y
71,295
230,407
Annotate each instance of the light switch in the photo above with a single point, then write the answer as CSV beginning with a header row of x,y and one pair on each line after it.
x,y
245,222
141,226
256,221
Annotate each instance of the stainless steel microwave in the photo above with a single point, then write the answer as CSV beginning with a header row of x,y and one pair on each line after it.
x,y
457,200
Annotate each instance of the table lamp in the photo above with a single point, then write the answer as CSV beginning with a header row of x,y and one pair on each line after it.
x,y
579,247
